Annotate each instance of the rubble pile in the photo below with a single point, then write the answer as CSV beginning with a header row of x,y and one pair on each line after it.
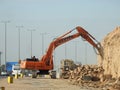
x,y
84,75
93,76
111,51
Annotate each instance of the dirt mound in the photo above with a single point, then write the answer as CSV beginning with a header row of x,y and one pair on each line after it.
x,y
111,50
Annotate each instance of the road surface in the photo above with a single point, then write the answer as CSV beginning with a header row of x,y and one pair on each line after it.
x,y
28,83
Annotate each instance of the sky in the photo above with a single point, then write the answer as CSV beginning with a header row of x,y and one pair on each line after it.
x,y
54,18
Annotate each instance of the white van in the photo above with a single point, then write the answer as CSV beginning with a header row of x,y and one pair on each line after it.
x,y
16,69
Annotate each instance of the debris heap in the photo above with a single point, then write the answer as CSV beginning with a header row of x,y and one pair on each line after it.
x,y
84,75
92,76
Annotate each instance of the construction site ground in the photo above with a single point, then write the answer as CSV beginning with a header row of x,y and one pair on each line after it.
x,y
28,83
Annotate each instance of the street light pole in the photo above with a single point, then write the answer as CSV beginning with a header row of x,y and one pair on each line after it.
x,y
0,57
43,42
31,39
76,51
85,53
54,55
19,29
5,22
65,51
75,43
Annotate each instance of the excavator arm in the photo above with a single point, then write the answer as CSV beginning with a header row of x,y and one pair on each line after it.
x,y
81,32
66,37
46,62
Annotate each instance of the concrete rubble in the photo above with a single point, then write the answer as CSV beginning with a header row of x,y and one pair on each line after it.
x,y
93,76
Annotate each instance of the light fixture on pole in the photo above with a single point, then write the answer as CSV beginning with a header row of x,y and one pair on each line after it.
x,y
85,53
42,34
54,55
19,29
65,51
5,22
31,30
0,58
76,50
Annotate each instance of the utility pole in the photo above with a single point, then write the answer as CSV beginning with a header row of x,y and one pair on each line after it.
x,y
0,57
85,53
65,51
31,30
76,50
19,29
42,34
5,22
54,56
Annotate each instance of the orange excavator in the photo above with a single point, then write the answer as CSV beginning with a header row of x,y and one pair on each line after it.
x,y
46,62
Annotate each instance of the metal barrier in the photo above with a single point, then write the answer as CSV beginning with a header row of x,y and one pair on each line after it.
x,y
16,76
10,79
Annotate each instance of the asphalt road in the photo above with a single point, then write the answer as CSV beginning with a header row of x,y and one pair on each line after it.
x,y
1,77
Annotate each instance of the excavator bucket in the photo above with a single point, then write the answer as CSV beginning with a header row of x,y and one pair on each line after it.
x,y
99,50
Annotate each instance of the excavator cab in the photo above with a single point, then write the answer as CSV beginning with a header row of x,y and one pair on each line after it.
x,y
32,59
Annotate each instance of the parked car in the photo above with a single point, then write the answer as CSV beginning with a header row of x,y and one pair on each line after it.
x,y
4,73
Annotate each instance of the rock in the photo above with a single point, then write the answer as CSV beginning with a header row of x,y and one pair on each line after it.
x,y
86,75
87,78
